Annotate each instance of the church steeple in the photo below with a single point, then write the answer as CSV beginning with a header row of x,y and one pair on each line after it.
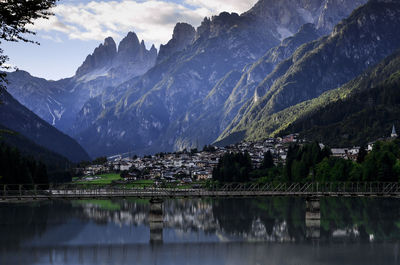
x,y
394,134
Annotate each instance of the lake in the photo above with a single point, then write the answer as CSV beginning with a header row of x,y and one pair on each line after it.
x,y
228,231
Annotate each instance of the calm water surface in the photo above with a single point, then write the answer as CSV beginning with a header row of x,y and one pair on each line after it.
x,y
202,231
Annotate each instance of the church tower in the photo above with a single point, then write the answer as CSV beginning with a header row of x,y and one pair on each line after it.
x,y
394,134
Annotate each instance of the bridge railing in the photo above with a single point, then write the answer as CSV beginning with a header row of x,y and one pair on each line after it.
x,y
311,188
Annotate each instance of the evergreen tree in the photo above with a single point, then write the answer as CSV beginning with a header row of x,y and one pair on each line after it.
x,y
362,153
301,161
18,169
100,160
233,168
268,161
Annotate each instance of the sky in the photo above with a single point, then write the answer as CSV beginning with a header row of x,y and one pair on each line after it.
x,y
79,26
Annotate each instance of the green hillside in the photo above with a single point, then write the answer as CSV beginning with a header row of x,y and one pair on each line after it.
x,y
362,110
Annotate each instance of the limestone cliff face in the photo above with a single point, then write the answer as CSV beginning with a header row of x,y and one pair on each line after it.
x,y
182,37
335,10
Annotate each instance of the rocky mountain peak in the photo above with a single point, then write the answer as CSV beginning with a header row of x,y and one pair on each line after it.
x,y
109,42
130,60
287,16
183,32
129,45
182,36
102,56
153,51
212,27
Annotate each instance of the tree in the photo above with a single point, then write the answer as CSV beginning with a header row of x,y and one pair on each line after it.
x,y
209,148
16,168
233,168
193,151
290,158
100,160
362,153
268,161
301,161
380,164
15,15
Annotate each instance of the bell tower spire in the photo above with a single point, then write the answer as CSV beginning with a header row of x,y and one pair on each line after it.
x,y
394,133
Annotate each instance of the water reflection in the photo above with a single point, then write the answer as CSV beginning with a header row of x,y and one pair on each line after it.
x,y
202,231
156,221
313,218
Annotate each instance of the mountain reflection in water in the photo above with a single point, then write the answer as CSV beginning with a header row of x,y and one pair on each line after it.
x,y
202,231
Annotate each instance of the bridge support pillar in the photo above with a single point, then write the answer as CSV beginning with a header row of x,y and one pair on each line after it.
x,y
156,221
313,218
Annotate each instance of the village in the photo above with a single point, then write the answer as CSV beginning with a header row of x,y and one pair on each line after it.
x,y
189,166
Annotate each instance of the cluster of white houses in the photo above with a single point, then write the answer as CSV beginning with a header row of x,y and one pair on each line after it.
x,y
190,166
352,153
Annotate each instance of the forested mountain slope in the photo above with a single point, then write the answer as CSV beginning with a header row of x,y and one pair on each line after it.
x,y
364,39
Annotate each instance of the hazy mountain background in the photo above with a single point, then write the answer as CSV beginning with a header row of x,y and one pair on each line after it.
x,y
235,77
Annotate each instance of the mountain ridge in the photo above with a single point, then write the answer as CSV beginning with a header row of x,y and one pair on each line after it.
x,y
18,118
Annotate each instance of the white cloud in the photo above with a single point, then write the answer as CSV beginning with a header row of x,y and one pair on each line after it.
x,y
217,6
52,38
152,20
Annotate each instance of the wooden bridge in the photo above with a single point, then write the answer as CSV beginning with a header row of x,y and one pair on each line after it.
x,y
76,191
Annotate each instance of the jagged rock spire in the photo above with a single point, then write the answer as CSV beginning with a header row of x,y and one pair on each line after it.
x,y
102,56
183,36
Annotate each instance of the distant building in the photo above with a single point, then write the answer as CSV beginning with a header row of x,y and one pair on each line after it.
x,y
203,175
352,153
339,152
370,146
289,139
393,134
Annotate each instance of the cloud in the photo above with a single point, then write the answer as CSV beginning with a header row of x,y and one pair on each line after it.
x,y
52,38
51,24
217,6
152,20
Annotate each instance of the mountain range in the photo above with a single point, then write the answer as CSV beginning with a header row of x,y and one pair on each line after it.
x,y
235,77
